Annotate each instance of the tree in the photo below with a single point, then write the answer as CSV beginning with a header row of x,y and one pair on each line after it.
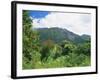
x,y
30,39
67,47
27,35
46,47
84,48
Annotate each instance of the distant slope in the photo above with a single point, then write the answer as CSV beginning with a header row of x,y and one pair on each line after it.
x,y
86,37
58,34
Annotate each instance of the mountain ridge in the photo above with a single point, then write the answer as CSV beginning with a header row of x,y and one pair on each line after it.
x,y
59,34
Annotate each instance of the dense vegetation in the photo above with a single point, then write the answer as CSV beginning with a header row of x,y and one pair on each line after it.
x,y
52,52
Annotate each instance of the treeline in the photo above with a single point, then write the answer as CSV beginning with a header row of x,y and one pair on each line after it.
x,y
49,54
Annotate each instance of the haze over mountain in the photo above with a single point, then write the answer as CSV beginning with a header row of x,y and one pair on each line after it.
x,y
58,34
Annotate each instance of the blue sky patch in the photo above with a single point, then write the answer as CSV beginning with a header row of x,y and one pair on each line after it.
x,y
38,14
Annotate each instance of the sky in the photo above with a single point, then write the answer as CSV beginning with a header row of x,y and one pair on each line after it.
x,y
78,23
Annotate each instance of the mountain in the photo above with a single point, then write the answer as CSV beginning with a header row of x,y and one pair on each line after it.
x,y
86,37
58,34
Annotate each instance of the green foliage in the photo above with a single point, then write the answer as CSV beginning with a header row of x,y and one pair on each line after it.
x,y
30,42
84,48
49,53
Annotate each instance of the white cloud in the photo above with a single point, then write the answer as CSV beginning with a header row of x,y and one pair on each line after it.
x,y
77,23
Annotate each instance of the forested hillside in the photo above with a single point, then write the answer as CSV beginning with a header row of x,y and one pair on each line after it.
x,y
58,34
53,47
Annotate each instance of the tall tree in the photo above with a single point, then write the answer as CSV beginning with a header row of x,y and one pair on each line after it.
x,y
30,37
